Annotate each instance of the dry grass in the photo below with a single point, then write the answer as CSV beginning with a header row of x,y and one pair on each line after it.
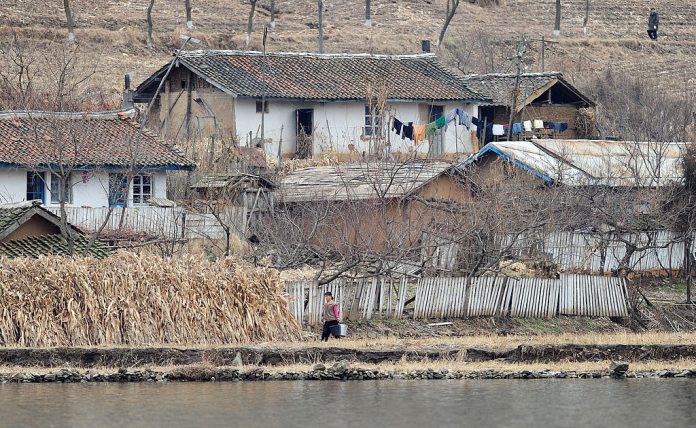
x,y
396,367
139,300
502,342
408,366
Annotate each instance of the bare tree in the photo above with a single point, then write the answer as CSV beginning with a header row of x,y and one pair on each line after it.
x,y
320,12
273,15
586,21
452,6
250,22
70,19
557,24
189,17
368,13
149,23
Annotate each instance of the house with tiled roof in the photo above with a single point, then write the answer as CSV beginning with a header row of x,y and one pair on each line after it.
x,y
547,97
303,104
83,159
29,230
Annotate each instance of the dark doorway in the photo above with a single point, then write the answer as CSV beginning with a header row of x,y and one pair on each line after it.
x,y
305,126
436,145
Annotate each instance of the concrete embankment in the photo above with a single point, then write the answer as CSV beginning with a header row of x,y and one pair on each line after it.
x,y
274,356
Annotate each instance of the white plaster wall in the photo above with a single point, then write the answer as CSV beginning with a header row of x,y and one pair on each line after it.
x,y
339,127
90,189
13,185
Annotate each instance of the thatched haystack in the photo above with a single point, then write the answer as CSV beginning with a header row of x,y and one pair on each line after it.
x,y
130,299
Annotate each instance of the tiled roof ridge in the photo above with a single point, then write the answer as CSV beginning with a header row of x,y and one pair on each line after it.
x,y
230,52
510,75
41,114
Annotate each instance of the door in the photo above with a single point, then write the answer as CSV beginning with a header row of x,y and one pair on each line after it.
x,y
305,126
436,145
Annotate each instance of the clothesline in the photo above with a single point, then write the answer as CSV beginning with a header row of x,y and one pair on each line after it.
x,y
418,133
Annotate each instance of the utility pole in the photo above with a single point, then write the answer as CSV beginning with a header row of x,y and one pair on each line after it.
x,y
519,59
263,95
321,25
544,44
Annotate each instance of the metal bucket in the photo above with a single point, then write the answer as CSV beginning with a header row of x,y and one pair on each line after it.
x,y
339,330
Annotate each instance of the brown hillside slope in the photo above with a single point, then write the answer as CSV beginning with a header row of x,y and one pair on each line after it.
x,y
112,33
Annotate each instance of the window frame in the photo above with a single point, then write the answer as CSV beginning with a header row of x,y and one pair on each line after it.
x,y
117,196
372,126
138,194
259,109
41,191
55,180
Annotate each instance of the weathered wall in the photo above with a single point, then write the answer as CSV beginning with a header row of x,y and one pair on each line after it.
x,y
548,113
89,188
339,128
207,102
36,226
13,185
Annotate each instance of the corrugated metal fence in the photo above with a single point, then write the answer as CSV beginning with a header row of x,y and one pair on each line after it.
x,y
584,251
434,298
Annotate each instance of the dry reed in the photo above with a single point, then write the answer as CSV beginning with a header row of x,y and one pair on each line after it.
x,y
135,300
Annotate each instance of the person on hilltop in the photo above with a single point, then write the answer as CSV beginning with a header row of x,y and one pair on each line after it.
x,y
653,23
331,317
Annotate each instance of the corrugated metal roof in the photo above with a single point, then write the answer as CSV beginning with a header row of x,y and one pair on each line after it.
x,y
358,181
593,162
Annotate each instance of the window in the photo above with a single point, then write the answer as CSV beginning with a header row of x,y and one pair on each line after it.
x,y
373,122
142,189
118,190
259,104
58,193
35,186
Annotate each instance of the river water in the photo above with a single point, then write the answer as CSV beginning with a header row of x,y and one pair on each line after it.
x,y
429,404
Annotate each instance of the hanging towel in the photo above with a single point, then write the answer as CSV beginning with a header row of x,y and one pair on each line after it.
x,y
516,128
560,126
498,130
464,118
528,125
418,133
548,125
452,115
538,124
441,122
397,125
430,128
407,131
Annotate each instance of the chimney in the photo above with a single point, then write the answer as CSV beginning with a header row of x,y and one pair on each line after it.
x,y
425,46
127,102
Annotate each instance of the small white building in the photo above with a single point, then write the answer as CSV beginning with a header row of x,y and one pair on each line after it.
x,y
88,160
313,103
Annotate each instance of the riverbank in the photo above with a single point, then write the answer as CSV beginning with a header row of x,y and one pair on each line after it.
x,y
584,356
343,371
511,349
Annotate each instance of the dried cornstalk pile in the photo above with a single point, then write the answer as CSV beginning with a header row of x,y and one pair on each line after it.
x,y
130,299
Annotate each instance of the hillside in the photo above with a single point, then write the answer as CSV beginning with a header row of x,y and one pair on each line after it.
x,y
111,33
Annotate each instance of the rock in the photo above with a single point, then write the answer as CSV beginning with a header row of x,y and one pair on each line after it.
x,y
237,361
319,367
341,367
618,368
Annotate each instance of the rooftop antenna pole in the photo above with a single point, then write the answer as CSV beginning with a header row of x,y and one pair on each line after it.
x,y
519,57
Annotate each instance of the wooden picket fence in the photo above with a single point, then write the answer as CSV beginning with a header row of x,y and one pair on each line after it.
x,y
440,298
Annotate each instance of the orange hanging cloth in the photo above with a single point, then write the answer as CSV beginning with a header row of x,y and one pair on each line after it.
x,y
418,133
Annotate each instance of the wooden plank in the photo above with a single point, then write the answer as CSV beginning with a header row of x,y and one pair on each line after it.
x,y
402,298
